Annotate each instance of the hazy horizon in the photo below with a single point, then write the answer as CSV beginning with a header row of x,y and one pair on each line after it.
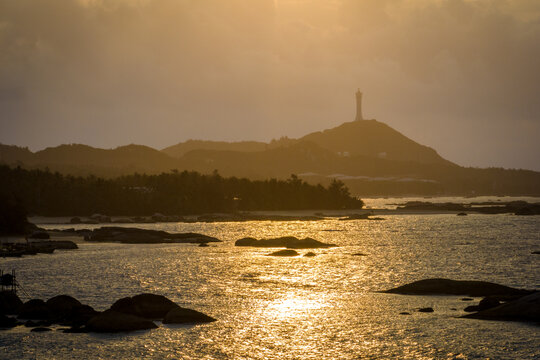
x,y
459,76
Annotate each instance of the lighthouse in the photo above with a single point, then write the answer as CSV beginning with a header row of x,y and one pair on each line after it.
x,y
359,105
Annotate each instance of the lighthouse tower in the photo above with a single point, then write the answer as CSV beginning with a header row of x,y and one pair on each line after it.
x,y
359,106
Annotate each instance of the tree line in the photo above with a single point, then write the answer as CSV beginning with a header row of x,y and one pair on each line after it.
x,y
42,192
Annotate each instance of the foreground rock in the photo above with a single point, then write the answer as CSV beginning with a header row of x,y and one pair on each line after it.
x,y
143,236
289,242
113,321
9,302
526,308
284,253
455,287
179,315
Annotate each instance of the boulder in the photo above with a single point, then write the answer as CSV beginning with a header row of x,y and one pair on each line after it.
x,y
284,253
454,287
35,309
144,236
62,305
149,306
80,315
310,254
526,308
426,310
179,315
113,321
9,302
461,214
404,313
126,306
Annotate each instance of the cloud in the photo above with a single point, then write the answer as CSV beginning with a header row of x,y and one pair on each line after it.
x,y
160,71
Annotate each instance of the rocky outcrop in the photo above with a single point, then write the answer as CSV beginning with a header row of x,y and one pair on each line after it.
x,y
143,236
179,315
455,287
112,321
284,253
62,305
526,308
289,242
149,306
7,322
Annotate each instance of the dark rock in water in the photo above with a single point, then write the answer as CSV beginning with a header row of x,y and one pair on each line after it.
x,y
7,322
462,214
113,321
284,253
62,305
471,308
426,310
35,309
75,220
526,308
40,235
144,236
404,313
467,299
310,254
289,242
179,315
536,252
63,244
203,245
9,302
454,287
144,305
359,254
41,329
126,306
80,315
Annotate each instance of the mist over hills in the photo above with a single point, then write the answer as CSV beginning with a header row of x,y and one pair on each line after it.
x,y
369,156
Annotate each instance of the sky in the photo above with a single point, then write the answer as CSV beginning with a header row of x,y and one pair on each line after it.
x,y
461,76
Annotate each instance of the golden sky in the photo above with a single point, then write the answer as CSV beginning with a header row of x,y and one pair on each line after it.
x,y
460,76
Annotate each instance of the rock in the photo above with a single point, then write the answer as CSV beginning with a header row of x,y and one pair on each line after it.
x,y
359,254
454,287
536,252
35,309
80,315
75,220
404,313
7,322
526,308
113,321
289,242
41,329
126,306
310,254
144,236
467,299
426,310
9,302
62,305
284,253
203,245
123,221
40,235
462,214
471,308
76,330
149,306
179,315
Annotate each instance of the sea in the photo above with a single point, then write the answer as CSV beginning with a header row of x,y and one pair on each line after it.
x,y
323,307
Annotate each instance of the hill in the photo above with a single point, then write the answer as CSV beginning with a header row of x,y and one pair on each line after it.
x,y
182,148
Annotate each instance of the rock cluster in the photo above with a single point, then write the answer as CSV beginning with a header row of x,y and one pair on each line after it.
x,y
143,236
289,242
126,314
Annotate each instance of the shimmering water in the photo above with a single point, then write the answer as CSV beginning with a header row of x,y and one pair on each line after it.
x,y
325,307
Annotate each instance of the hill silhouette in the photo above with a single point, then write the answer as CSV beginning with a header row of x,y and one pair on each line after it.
x,y
370,157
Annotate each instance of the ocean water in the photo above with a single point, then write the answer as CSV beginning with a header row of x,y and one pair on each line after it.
x,y
324,307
